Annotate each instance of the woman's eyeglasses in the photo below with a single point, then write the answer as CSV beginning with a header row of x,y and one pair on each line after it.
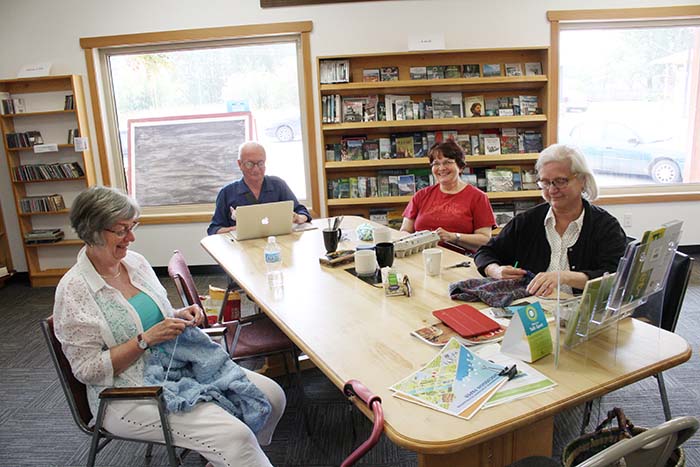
x,y
558,183
250,164
444,163
125,231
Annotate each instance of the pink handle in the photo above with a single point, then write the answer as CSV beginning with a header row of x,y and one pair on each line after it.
x,y
356,388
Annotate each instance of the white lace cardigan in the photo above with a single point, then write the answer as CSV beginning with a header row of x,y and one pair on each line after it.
x,y
91,316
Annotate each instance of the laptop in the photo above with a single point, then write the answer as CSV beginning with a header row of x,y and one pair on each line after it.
x,y
263,220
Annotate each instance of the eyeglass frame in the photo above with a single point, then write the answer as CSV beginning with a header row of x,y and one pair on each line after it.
x,y
250,164
445,162
559,183
123,233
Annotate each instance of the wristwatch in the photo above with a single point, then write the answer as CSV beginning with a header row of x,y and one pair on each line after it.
x,y
143,345
457,236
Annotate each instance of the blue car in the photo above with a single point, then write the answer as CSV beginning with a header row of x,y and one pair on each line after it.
x,y
617,148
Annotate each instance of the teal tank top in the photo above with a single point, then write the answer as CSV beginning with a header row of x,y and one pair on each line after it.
x,y
147,310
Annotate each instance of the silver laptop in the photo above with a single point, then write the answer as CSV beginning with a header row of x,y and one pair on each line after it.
x,y
263,220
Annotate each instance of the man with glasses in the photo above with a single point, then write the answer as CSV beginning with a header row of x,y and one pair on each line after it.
x,y
255,187
566,240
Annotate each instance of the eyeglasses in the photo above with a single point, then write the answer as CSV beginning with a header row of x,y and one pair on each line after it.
x,y
558,183
444,163
125,231
250,164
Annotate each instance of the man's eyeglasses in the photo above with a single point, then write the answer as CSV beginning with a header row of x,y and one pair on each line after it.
x,y
558,183
125,231
250,164
444,163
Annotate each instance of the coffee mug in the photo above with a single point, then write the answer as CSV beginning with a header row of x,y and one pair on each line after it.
x,y
365,262
331,238
385,254
432,259
381,235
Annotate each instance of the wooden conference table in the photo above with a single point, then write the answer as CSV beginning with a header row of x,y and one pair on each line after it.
x,y
349,329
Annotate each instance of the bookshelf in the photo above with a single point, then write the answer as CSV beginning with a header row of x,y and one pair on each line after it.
x,y
336,131
5,256
46,170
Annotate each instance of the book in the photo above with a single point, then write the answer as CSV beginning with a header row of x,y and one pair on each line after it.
x,y
439,334
492,69
418,72
447,104
334,71
337,258
509,141
453,71
503,212
513,69
499,180
471,70
474,106
505,107
370,75
532,141
407,185
353,109
389,73
404,146
385,148
370,149
528,105
533,68
466,320
492,145
435,72
491,106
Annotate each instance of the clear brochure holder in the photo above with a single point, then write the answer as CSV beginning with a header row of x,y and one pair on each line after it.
x,y
641,273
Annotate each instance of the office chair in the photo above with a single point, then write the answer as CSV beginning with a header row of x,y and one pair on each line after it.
x,y
650,448
76,396
668,305
355,389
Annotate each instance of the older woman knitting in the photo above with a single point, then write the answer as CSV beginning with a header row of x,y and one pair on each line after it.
x,y
110,309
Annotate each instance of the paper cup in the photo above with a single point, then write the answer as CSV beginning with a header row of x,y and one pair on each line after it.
x,y
365,262
432,260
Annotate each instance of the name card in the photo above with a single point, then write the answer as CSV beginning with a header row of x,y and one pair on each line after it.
x,y
527,337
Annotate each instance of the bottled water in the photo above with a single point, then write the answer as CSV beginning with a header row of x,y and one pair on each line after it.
x,y
273,263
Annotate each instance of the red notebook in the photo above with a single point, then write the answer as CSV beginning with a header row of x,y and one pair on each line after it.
x,y
466,320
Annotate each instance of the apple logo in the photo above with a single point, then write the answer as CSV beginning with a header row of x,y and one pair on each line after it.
x,y
265,220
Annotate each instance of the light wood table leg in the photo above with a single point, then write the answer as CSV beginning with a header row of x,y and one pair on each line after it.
x,y
532,440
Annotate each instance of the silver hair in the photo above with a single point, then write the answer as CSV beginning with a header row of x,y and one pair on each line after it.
x,y
250,145
98,208
577,163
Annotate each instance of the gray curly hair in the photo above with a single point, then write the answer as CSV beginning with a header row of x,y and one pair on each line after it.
x,y
577,162
98,208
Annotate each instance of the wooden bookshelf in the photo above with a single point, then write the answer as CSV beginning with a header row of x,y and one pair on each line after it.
x,y
44,100
419,90
5,254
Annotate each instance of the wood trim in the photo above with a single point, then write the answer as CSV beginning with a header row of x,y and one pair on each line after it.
x,y
431,52
676,12
553,74
97,117
204,34
310,119
283,3
644,198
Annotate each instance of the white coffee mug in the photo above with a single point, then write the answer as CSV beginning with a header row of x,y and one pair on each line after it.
x,y
365,262
381,234
432,259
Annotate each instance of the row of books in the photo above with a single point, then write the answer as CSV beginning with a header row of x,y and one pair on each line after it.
x,y
69,103
504,212
11,105
48,203
408,145
400,182
339,109
25,139
72,134
334,71
43,236
56,171
501,178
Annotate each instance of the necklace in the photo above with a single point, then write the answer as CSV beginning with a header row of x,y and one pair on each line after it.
x,y
119,273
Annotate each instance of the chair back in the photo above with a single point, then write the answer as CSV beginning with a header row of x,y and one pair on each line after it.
x,y
74,390
670,302
650,448
179,272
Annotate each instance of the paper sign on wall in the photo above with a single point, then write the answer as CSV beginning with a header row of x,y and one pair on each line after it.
x,y
527,337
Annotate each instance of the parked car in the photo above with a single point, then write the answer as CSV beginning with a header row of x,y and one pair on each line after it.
x,y
618,148
284,128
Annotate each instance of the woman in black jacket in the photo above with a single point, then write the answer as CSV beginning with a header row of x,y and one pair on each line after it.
x,y
567,235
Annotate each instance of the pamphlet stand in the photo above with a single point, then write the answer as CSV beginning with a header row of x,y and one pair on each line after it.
x,y
642,272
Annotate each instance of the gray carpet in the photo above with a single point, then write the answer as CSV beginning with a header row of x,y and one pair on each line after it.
x,y
36,428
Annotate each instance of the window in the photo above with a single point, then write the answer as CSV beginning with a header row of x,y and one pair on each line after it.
x,y
628,90
177,110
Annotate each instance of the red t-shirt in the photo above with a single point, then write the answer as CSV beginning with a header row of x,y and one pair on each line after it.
x,y
462,212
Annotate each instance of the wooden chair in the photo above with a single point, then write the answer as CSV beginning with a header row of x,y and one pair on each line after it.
x,y
76,396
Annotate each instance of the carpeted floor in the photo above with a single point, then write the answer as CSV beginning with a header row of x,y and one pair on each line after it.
x,y
36,428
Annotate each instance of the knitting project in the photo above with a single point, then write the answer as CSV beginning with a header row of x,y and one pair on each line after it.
x,y
493,292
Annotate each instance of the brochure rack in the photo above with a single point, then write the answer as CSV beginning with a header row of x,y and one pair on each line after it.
x,y
642,272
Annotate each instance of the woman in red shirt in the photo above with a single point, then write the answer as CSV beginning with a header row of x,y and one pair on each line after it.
x,y
458,212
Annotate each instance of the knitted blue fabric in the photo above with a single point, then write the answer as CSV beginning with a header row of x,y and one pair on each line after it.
x,y
202,371
493,292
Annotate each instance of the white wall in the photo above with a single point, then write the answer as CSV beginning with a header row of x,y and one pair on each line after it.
x,y
36,31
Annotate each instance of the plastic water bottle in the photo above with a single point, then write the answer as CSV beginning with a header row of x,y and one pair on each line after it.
x,y
273,262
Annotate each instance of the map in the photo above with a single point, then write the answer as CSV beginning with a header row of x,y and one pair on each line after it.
x,y
455,381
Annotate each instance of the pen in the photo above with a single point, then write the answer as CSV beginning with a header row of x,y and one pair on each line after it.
x,y
515,265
